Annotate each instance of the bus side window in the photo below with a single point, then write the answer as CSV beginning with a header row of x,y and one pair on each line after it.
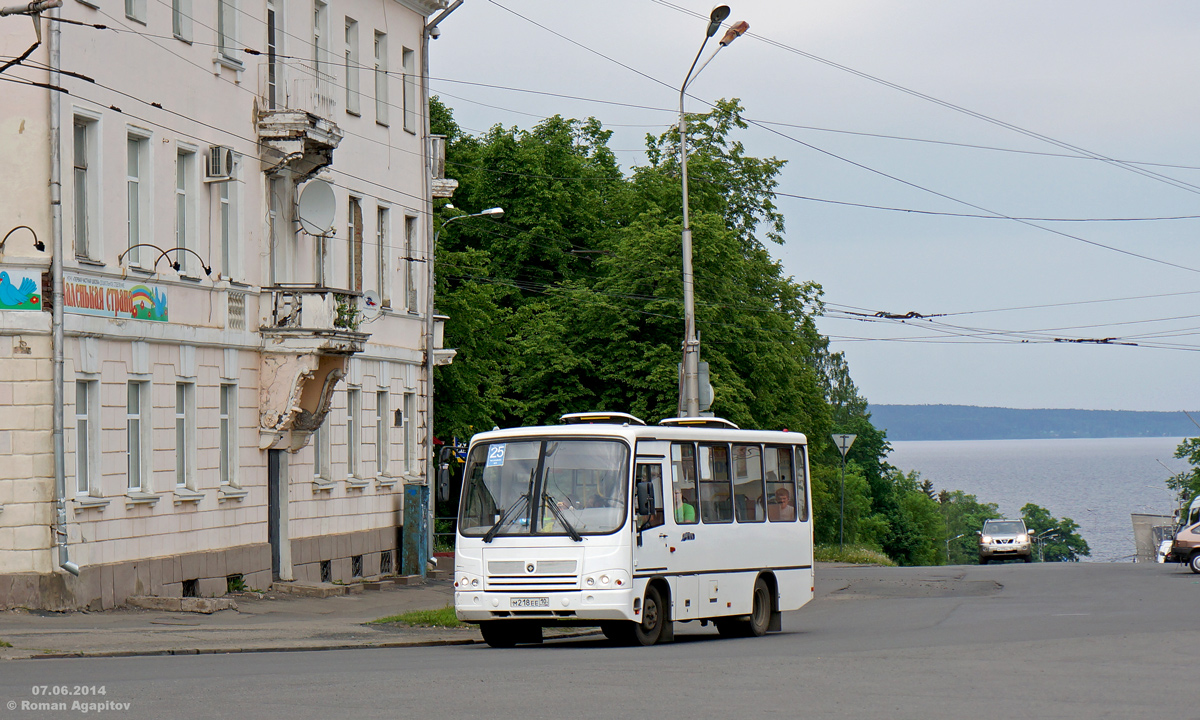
x,y
650,474
801,483
716,497
748,505
683,483
782,498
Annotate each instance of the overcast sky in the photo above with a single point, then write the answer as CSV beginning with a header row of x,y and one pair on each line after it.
x,y
1115,79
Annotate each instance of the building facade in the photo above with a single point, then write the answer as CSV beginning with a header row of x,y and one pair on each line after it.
x,y
243,190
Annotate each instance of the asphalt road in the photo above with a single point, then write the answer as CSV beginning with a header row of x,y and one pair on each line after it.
x,y
1008,641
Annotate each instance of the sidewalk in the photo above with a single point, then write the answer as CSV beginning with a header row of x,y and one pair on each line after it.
x,y
271,622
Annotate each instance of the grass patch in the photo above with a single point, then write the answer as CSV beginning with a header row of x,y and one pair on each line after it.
x,y
853,554
443,617
4,644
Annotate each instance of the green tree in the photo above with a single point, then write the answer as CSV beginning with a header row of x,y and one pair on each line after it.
x,y
574,302
1062,543
964,516
1187,483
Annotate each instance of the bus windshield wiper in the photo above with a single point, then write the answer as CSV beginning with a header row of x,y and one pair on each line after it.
x,y
562,519
512,509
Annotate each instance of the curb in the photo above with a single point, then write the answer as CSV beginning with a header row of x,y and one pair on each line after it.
x,y
290,648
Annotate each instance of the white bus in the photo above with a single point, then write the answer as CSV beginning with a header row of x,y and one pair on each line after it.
x,y
606,521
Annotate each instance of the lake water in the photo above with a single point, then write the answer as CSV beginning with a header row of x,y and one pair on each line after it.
x,y
1095,482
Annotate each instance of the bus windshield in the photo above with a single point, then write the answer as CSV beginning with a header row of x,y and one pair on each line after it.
x,y
545,487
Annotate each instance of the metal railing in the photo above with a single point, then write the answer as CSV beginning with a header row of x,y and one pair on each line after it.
x,y
297,85
313,308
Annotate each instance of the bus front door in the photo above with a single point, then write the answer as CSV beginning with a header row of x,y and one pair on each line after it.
x,y
658,540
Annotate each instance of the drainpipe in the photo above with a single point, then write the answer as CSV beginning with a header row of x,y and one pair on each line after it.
x,y
429,32
56,275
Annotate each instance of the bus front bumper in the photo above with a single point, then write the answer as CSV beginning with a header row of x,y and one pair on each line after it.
x,y
548,608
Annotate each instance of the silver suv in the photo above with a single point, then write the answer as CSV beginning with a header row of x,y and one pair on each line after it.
x,y
1002,539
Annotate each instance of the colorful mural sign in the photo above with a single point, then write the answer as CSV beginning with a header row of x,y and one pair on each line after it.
x,y
114,298
20,289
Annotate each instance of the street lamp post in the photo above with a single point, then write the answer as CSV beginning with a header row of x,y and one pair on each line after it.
x,y
1041,540
416,557
948,541
689,392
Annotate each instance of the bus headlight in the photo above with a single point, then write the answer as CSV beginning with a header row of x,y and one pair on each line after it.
x,y
607,579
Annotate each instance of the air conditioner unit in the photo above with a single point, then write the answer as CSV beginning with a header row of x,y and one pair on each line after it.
x,y
219,167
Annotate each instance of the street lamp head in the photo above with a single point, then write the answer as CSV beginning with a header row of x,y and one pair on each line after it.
x,y
496,212
716,17
739,28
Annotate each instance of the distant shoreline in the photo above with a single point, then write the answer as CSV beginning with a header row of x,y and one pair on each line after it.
x,y
969,422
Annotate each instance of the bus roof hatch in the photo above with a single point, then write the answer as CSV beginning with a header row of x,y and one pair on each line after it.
x,y
602,418
705,422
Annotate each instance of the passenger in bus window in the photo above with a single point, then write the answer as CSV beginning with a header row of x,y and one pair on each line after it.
x,y
685,512
782,508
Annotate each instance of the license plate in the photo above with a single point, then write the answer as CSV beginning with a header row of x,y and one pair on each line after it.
x,y
529,602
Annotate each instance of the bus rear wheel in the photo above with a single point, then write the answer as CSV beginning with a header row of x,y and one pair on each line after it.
x,y
756,623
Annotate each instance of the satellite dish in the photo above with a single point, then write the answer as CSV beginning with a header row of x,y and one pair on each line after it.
x,y
371,307
316,207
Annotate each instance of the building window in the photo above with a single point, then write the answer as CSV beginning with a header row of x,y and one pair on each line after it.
x,y
137,181
410,243
381,87
137,449
185,435
353,440
352,63
86,190
281,241
384,255
228,224
354,280
136,10
227,30
410,434
185,209
229,435
381,433
181,19
86,429
321,452
410,90
274,48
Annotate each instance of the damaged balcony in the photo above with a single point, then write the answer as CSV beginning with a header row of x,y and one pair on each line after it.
x,y
307,339
295,109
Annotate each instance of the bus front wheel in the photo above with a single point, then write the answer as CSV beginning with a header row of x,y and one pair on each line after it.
x,y
649,630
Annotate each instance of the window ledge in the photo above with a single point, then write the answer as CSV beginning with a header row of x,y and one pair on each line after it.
x,y
137,497
386,481
221,61
320,485
189,277
187,495
87,502
229,492
87,260
141,270
355,483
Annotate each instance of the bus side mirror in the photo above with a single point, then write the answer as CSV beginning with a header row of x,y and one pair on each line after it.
x,y
443,486
645,498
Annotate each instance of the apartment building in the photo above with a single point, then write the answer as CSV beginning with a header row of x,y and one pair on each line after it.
x,y
242,189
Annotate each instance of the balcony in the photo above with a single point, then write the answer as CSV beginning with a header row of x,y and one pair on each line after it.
x,y
307,339
296,103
